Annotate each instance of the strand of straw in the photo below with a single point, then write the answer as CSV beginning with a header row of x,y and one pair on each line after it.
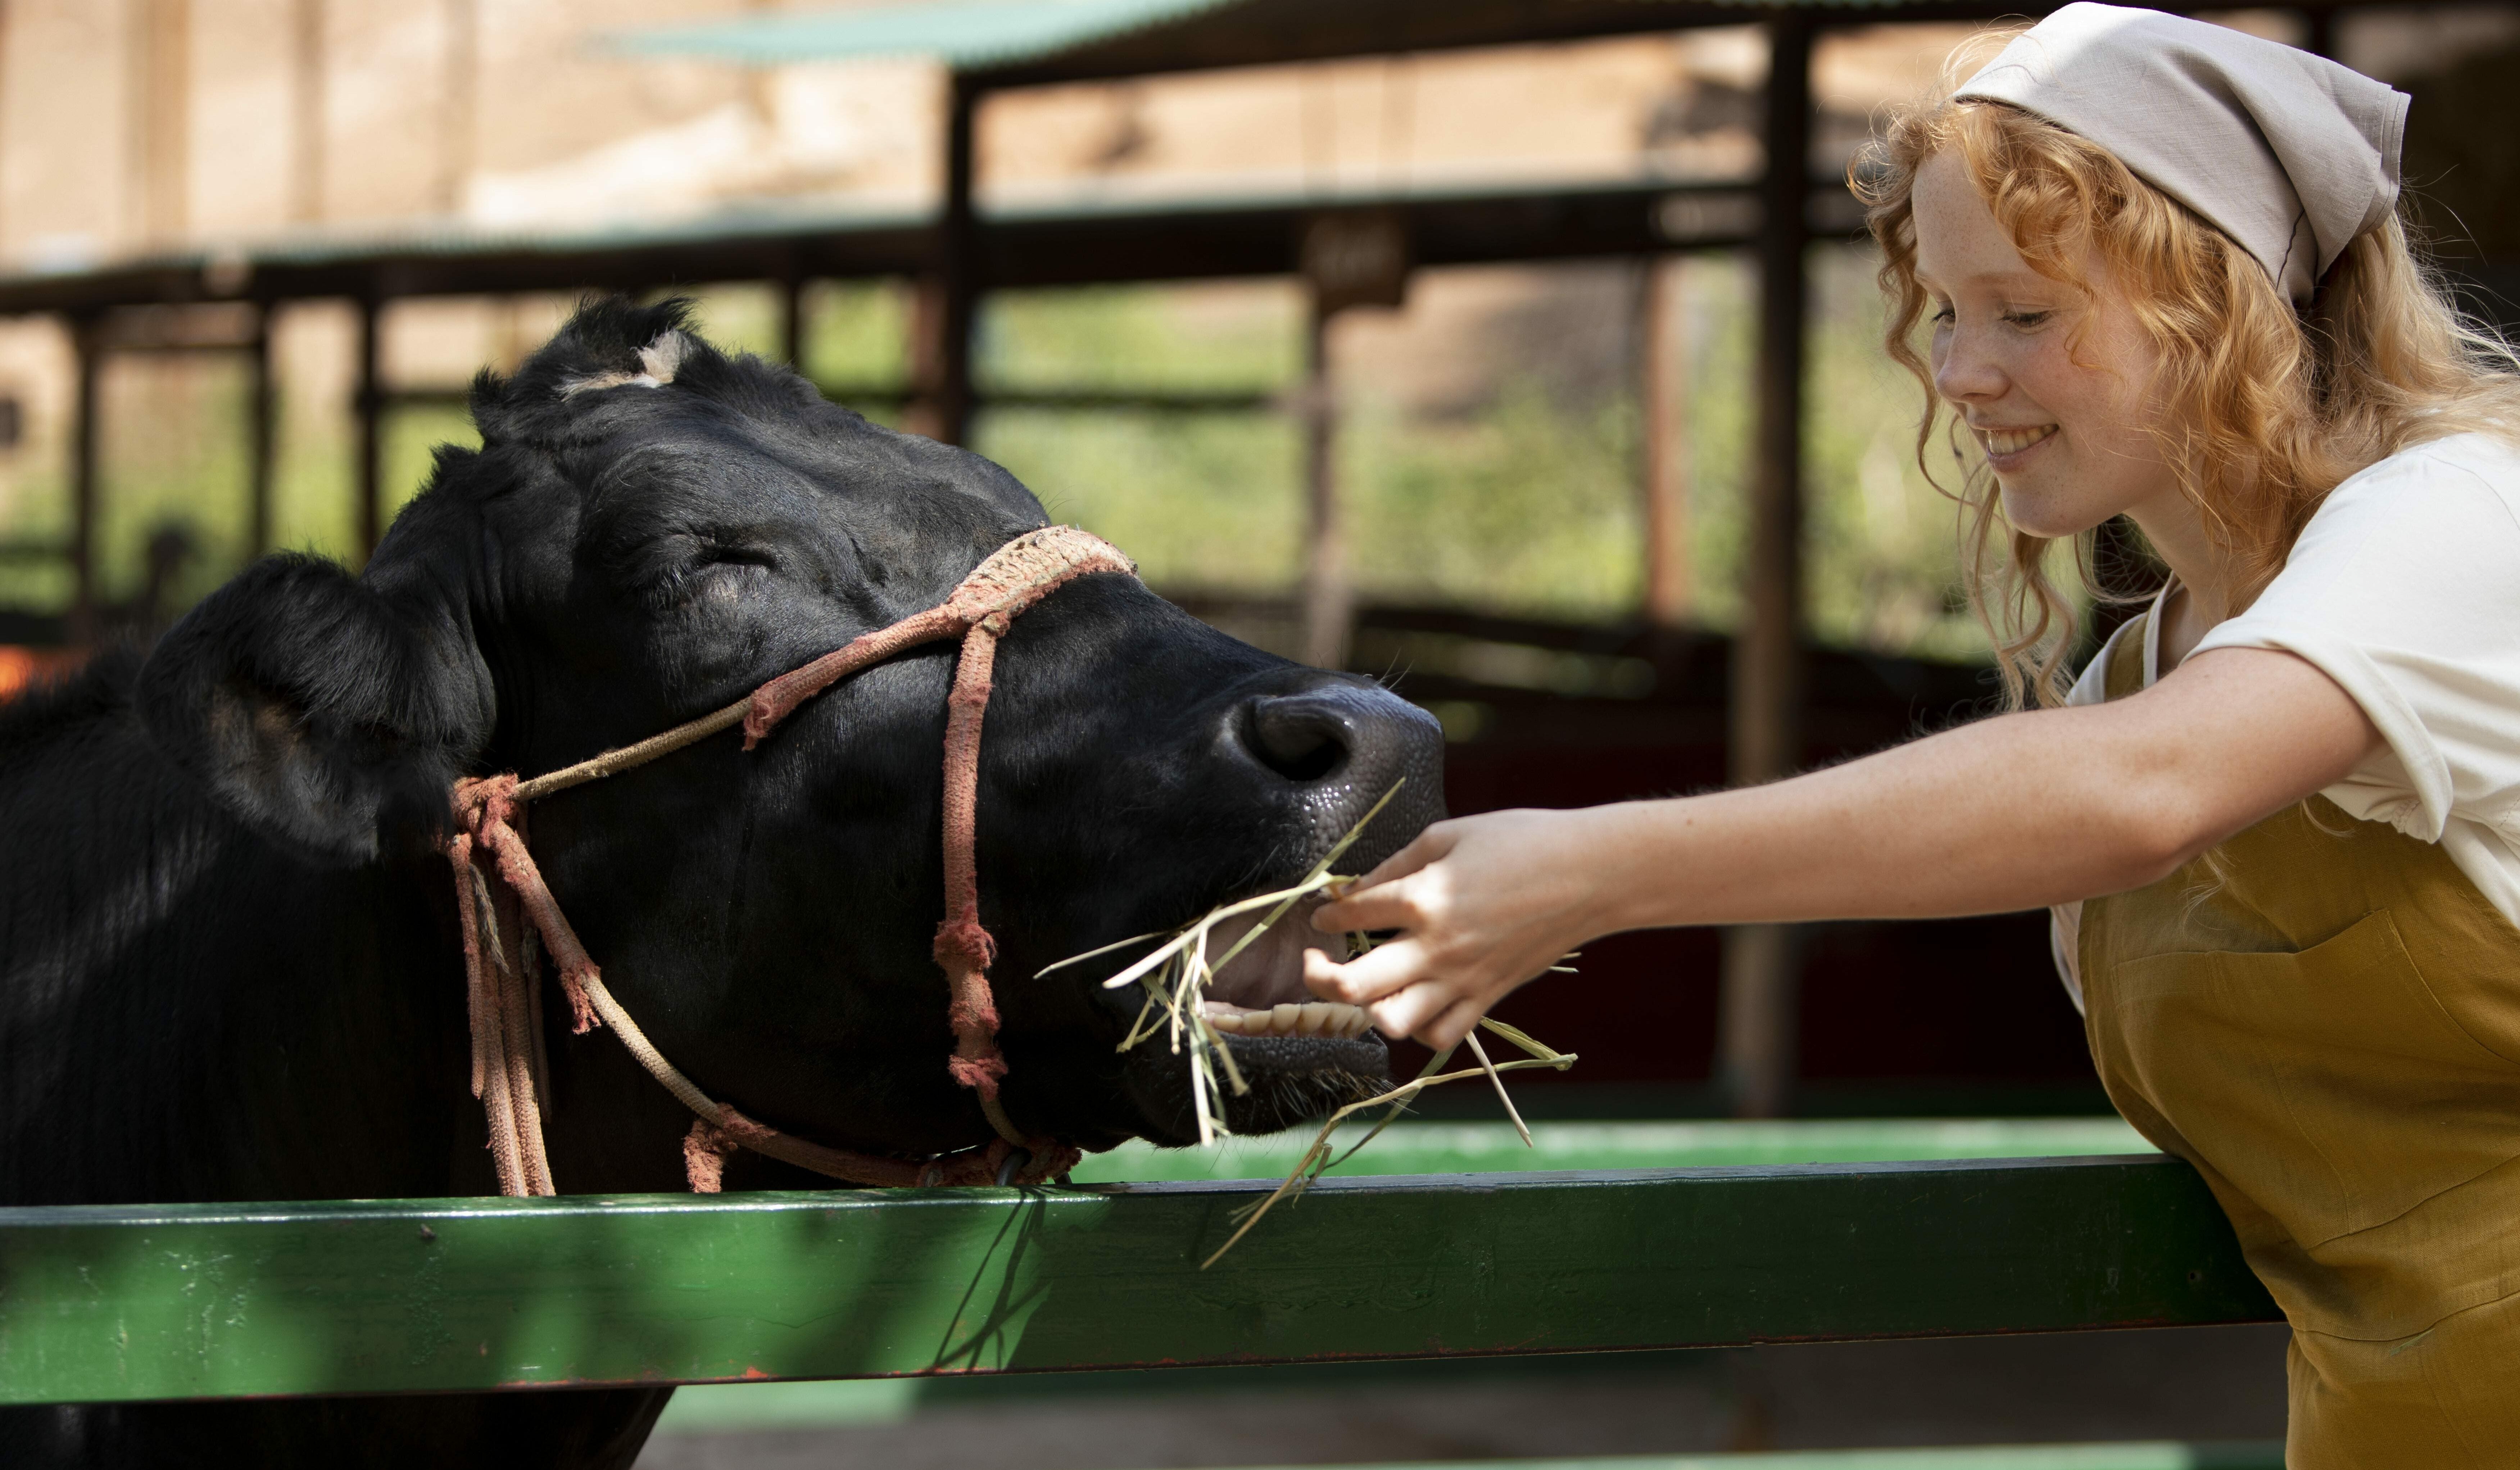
x,y
1306,1170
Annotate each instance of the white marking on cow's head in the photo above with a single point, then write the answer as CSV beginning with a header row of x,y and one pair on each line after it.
x,y
659,361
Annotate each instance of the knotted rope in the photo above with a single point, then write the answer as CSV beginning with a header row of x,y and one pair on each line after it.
x,y
502,919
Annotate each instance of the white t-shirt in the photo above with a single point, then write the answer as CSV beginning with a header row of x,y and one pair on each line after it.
x,y
2404,588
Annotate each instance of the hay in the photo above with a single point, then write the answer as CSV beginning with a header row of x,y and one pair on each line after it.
x,y
1317,1160
1177,972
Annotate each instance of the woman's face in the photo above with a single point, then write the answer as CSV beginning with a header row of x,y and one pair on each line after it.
x,y
2056,398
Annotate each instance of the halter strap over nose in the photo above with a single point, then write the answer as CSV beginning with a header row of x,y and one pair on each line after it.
x,y
507,1050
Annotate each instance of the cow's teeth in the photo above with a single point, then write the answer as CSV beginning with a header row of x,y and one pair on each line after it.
x,y
1311,1018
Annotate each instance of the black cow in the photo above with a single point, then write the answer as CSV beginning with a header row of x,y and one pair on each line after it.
x,y
231,951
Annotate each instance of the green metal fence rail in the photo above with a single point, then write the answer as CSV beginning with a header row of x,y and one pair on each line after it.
x,y
188,1300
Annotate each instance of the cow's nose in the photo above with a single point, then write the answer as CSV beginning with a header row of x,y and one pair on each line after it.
x,y
1317,735
1303,737
1343,746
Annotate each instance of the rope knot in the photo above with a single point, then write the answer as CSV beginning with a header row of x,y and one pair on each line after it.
x,y
964,943
980,1074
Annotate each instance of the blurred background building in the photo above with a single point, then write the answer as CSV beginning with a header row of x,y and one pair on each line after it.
x,y
1442,361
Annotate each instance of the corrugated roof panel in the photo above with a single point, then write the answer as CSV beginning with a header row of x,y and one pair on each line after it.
x,y
964,34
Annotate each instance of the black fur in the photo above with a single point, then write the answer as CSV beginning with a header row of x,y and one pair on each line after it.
x,y
228,948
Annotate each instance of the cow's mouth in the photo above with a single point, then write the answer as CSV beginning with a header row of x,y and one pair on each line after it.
x,y
1301,1057
1261,991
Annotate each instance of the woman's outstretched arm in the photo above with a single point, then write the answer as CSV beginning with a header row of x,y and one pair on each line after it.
x,y
2006,813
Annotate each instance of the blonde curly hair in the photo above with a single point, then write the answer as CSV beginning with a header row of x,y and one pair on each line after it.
x,y
2270,408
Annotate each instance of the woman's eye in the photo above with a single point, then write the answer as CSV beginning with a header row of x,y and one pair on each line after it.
x,y
2026,318
1943,316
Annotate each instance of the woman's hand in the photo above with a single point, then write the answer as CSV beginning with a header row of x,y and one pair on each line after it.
x,y
2007,814
1483,905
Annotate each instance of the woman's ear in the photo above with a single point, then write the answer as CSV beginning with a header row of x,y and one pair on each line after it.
x,y
316,710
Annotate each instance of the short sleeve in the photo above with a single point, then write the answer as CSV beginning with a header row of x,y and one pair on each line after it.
x,y
2405,588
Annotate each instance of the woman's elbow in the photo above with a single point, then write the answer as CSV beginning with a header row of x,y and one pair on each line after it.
x,y
2155,835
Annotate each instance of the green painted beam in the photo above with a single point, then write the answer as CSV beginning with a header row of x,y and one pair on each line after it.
x,y
2137,1454
1412,1147
106,1302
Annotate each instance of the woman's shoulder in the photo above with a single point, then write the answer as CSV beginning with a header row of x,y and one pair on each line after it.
x,y
2475,460
2425,490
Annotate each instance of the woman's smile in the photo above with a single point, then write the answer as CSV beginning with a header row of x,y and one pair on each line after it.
x,y
2006,447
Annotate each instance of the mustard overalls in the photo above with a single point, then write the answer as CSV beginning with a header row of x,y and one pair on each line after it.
x,y
2329,1030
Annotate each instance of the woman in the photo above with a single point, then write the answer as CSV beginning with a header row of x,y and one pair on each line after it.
x,y
2279,818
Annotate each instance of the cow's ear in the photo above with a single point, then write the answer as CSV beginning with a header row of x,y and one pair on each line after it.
x,y
316,709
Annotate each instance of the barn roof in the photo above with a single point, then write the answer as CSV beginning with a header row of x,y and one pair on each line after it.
x,y
964,34
1016,42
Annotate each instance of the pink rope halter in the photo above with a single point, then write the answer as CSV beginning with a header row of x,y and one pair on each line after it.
x,y
505,908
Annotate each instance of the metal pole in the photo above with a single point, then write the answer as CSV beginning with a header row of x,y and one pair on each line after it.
x,y
1662,399
1758,1010
88,347
260,435
367,408
950,293
1329,600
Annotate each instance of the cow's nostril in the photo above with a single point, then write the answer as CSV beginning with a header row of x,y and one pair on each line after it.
x,y
1300,738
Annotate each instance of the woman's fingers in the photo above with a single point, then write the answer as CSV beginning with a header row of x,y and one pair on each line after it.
x,y
1393,905
1343,916
1411,1011
1368,977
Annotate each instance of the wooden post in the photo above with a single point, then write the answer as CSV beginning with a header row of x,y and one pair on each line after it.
x,y
160,77
368,407
306,109
1330,597
2318,31
260,431
941,358
791,317
1757,1025
1662,406
88,347
457,102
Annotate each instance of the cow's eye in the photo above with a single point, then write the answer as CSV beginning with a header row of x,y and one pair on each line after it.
x,y
735,556
713,572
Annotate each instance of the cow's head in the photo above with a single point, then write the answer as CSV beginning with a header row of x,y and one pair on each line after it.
x,y
650,529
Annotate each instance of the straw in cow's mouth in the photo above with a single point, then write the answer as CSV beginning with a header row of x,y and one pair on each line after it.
x,y
1176,975
1177,972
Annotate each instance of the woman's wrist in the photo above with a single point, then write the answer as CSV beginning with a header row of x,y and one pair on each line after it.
x,y
1627,851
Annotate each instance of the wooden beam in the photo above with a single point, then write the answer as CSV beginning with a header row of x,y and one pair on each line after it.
x,y
88,354
949,290
459,102
1329,594
158,74
184,1301
366,409
1757,1025
261,432
790,289
1662,423
307,109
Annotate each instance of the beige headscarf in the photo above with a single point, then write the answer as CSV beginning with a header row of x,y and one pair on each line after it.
x,y
2289,154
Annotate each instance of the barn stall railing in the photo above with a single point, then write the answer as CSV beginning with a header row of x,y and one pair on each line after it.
x,y
210,1301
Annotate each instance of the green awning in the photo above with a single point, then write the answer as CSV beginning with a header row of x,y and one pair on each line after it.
x,y
963,34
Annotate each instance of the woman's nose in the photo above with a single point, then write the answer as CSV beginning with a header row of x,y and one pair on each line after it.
x,y
1966,374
